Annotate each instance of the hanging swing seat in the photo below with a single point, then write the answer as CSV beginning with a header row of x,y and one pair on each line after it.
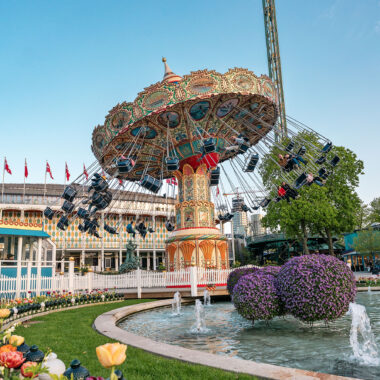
x,y
63,223
69,193
209,145
169,226
151,183
320,160
327,147
151,230
300,181
125,165
130,229
335,161
98,183
49,213
101,201
83,213
214,176
301,151
323,173
290,146
111,230
172,163
245,208
227,217
68,207
251,163
265,202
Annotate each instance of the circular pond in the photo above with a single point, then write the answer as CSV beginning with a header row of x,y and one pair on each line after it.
x,y
284,341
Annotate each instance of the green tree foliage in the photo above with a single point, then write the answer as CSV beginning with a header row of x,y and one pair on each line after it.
x,y
327,210
367,241
374,211
362,216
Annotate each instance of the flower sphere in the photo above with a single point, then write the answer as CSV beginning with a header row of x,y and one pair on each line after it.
x,y
16,340
111,354
255,296
316,287
8,348
271,269
235,275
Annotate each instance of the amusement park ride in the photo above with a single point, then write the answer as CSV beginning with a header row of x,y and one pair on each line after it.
x,y
204,131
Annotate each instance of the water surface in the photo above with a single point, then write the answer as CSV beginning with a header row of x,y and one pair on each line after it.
x,y
283,341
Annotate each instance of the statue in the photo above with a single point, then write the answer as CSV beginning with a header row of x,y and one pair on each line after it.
x,y
131,261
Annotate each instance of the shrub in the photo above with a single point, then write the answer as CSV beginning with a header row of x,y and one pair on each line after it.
x,y
316,287
255,296
235,275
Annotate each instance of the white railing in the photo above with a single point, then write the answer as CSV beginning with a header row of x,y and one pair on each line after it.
x,y
32,284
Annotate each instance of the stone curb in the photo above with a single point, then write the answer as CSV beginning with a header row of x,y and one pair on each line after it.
x,y
106,324
365,288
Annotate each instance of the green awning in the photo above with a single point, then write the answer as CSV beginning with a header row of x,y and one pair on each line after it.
x,y
17,232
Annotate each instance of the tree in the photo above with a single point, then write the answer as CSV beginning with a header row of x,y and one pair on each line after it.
x,y
326,210
362,216
374,211
131,261
367,241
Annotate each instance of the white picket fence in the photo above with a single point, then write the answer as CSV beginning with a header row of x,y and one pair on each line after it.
x,y
31,285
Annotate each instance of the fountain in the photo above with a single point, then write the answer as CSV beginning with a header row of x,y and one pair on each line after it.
x,y
369,289
200,324
206,298
364,345
176,304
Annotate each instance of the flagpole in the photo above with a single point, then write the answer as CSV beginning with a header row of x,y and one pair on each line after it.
x,y
2,189
45,184
23,195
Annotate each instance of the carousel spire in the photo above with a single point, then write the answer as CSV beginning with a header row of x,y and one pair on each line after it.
x,y
169,76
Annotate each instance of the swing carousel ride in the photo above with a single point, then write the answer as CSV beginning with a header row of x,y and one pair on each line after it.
x,y
206,133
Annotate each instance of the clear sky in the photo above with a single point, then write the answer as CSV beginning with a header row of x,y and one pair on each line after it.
x,y
65,64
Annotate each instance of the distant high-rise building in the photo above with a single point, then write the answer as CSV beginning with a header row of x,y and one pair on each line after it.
x,y
255,227
240,223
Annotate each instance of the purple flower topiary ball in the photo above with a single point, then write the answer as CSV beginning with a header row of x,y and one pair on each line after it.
x,y
235,275
271,269
316,287
255,296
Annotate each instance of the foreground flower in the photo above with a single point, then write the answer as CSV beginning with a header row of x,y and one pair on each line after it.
x,y
111,354
11,359
7,348
16,340
4,313
27,369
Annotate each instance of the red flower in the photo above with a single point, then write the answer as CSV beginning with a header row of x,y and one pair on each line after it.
x,y
24,369
11,359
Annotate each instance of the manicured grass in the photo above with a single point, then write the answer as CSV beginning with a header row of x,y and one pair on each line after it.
x,y
70,335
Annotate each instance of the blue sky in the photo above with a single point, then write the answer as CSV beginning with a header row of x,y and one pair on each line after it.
x,y
65,64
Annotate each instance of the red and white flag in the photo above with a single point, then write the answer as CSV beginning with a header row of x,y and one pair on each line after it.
x,y
121,182
67,173
85,172
26,173
6,166
217,190
48,170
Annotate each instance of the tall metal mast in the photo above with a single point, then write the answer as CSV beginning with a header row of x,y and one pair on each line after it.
x,y
273,53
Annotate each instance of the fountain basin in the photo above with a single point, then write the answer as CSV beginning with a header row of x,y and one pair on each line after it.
x,y
106,324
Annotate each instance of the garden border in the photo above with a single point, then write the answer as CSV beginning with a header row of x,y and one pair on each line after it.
x,y
106,324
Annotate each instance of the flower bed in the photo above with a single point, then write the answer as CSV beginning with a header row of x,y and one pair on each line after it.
x,y
20,307
368,281
18,360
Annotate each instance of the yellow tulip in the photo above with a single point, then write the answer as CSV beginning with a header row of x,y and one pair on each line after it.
x,y
4,313
111,354
16,340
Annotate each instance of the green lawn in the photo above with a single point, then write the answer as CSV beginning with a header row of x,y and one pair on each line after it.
x,y
70,335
